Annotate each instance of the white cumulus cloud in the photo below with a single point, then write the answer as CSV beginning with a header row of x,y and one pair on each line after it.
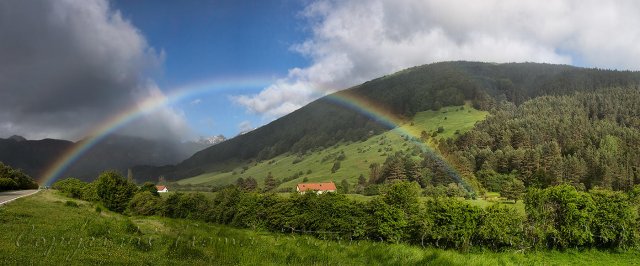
x,y
245,126
352,41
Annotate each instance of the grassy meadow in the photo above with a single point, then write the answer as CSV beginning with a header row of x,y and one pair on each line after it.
x,y
316,166
50,229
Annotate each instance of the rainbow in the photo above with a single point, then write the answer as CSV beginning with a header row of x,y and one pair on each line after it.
x,y
393,122
135,111
344,98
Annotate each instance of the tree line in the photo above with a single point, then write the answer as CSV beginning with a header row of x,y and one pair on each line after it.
x,y
14,179
557,217
586,140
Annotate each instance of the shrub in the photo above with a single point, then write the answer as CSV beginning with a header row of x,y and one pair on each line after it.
x,y
148,186
559,217
386,222
435,191
7,184
71,187
614,219
284,190
70,203
248,212
20,179
329,212
145,203
456,190
403,195
114,191
90,192
449,222
192,205
335,167
371,190
563,217
501,227
224,205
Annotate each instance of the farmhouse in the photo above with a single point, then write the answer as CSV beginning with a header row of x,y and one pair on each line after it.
x,y
162,189
318,188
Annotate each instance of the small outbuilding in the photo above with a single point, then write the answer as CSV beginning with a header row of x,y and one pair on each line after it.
x,y
318,188
162,189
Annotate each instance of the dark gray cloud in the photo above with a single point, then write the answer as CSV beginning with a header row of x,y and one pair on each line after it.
x,y
66,66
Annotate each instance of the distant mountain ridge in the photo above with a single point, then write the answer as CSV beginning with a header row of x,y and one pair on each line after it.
x,y
17,138
323,123
115,152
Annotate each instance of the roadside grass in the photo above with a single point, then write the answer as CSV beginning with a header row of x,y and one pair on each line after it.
x,y
316,166
41,230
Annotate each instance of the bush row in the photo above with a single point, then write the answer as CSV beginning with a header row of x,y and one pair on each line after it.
x,y
557,217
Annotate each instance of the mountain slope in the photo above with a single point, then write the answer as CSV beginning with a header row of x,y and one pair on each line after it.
x,y
114,152
324,123
355,157
31,156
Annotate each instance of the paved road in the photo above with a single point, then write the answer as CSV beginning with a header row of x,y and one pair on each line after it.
x,y
9,196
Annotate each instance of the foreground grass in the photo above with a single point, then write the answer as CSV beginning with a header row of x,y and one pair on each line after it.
x,y
316,166
45,229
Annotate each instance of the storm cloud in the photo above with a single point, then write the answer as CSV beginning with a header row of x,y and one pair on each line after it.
x,y
66,66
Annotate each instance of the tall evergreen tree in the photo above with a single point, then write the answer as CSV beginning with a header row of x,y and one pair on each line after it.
x,y
345,186
270,182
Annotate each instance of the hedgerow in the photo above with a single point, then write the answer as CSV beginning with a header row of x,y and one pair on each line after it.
x,y
557,217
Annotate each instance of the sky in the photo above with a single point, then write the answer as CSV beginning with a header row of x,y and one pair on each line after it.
x,y
207,41
221,67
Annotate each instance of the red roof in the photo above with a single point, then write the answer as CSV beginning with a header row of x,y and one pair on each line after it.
x,y
317,186
160,188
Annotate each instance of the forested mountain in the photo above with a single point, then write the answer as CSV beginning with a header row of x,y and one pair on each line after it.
x,y
585,139
114,152
323,123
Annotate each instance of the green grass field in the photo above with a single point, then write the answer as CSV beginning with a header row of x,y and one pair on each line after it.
x,y
46,229
359,155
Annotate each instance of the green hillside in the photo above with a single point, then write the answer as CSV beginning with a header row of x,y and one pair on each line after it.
x,y
316,165
325,122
